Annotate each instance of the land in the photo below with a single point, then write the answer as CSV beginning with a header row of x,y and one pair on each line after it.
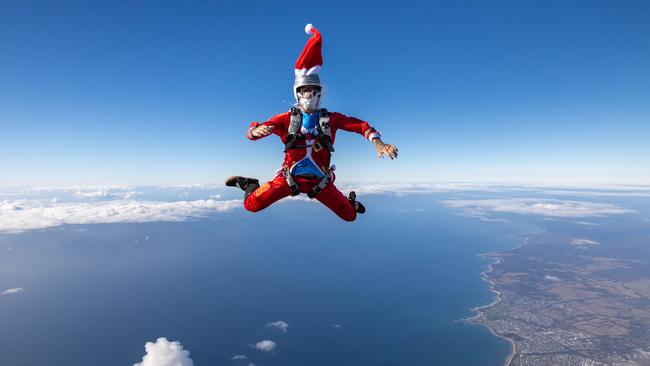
x,y
569,301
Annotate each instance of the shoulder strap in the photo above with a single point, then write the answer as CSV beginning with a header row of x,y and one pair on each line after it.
x,y
296,121
324,128
294,128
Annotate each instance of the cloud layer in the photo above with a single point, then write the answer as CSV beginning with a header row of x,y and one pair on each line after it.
x,y
165,353
418,188
24,214
37,208
537,206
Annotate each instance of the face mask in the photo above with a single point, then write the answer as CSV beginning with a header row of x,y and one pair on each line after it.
x,y
309,101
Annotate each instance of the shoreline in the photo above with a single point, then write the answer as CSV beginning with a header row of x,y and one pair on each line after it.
x,y
497,299
497,258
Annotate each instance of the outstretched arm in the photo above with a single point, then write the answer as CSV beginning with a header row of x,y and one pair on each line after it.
x,y
258,130
352,124
385,149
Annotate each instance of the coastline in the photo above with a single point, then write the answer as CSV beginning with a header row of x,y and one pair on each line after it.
x,y
479,310
496,258
541,292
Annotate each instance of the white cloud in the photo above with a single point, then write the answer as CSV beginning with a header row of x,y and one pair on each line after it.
x,y
22,214
265,345
580,242
107,193
336,325
45,207
536,206
11,291
593,190
587,223
239,357
552,278
93,194
281,325
76,188
593,193
193,186
165,353
419,188
131,194
410,210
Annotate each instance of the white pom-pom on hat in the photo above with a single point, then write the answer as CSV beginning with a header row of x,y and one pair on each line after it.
x,y
308,28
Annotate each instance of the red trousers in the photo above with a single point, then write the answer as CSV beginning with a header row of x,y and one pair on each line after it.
x,y
278,188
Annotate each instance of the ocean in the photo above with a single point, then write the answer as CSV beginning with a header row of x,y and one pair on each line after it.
x,y
388,289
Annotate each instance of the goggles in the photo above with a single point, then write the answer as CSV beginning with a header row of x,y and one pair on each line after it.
x,y
308,92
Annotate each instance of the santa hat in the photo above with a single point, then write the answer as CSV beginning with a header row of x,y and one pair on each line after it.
x,y
310,62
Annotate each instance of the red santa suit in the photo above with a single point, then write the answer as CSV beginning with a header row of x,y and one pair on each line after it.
x,y
278,187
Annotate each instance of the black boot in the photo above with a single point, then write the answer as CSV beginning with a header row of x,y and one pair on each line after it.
x,y
358,207
248,185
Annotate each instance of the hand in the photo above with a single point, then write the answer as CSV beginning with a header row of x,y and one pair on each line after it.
x,y
262,130
385,149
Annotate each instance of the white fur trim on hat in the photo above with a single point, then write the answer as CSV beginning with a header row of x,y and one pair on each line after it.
x,y
311,71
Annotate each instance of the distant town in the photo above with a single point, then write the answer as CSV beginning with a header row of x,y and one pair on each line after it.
x,y
560,304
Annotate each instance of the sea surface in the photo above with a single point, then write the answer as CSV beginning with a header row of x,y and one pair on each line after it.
x,y
388,289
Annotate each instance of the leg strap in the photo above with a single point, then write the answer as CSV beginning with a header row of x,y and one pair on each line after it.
x,y
321,185
293,186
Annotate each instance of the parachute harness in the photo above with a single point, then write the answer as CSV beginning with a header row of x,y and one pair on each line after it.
x,y
294,135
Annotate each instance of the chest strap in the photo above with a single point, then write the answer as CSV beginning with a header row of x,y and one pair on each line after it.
x,y
295,124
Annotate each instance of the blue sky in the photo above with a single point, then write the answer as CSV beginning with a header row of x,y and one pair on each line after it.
x,y
155,92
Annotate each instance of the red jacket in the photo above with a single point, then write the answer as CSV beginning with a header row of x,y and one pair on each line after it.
x,y
281,121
